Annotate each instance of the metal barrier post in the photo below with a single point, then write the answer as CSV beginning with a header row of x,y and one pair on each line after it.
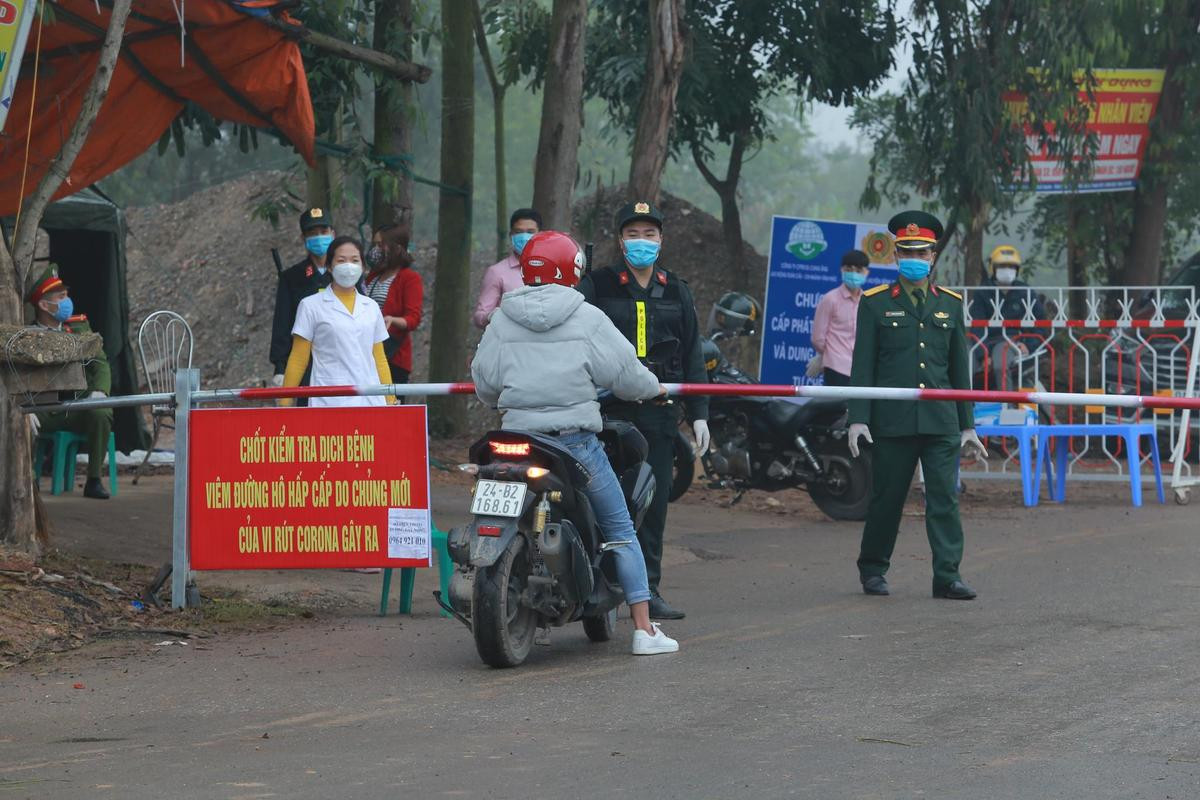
x,y
186,382
1179,484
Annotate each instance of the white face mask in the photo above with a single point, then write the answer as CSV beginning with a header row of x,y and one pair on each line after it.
x,y
347,273
1006,275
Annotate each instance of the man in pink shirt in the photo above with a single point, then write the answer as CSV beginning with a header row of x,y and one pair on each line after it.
x,y
835,320
504,276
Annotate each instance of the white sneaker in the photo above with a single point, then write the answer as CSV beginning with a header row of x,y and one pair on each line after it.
x,y
646,645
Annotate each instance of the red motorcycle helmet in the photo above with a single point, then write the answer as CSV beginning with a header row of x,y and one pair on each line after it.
x,y
551,257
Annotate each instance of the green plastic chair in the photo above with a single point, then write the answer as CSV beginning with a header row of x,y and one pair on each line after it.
x,y
408,577
64,445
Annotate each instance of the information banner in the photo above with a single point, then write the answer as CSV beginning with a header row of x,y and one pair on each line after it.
x,y
16,17
805,263
308,488
1122,105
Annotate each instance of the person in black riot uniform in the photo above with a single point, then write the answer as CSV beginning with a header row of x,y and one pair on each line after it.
x,y
654,310
298,282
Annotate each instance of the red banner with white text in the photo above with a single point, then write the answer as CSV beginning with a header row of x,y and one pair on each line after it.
x,y
308,488
1120,109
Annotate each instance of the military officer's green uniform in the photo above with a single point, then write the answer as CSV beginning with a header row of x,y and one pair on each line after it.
x,y
96,423
660,321
911,334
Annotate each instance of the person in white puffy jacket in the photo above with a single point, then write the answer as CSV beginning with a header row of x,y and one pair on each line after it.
x,y
542,361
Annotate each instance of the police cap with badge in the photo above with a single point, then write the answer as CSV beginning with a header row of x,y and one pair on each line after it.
x,y
639,211
315,218
915,230
47,283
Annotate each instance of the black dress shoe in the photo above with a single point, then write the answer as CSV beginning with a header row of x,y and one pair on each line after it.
x,y
661,609
957,590
875,584
95,489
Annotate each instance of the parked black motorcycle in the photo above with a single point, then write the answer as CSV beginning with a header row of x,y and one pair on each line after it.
x,y
772,444
533,556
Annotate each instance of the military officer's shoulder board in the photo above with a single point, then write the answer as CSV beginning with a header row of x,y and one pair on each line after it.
x,y
883,287
944,290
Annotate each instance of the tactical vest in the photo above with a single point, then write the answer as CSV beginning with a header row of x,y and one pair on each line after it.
x,y
651,319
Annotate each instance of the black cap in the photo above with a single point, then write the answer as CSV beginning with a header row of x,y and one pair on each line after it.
x,y
639,210
915,230
315,218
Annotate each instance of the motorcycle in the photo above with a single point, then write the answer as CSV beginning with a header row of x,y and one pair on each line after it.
x,y
532,556
772,444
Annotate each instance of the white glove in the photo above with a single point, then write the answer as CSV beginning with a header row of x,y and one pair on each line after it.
x,y
35,424
703,438
96,395
277,380
815,365
971,445
859,431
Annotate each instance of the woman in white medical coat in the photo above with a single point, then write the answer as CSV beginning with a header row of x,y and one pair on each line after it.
x,y
341,332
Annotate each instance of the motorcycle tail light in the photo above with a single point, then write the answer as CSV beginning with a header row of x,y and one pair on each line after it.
x,y
510,448
533,473
489,530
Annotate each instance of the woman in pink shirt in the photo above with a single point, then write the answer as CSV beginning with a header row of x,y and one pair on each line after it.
x,y
837,314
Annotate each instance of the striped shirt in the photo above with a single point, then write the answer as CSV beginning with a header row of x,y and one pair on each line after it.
x,y
377,288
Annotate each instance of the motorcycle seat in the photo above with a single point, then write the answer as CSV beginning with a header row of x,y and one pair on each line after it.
x,y
786,417
624,443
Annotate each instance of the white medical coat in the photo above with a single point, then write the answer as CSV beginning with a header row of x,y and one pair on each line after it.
x,y
343,344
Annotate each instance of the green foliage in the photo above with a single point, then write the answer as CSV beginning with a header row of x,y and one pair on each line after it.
x,y
948,137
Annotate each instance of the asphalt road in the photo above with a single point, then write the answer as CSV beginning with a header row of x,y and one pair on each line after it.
x,y
1073,676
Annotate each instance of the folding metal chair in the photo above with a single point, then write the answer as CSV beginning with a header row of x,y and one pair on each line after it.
x,y
164,346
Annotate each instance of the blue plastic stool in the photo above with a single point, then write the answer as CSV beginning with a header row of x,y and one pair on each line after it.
x,y
1030,467
64,445
1132,433
408,577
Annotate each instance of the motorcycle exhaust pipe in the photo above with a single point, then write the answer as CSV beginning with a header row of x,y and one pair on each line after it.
x,y
552,546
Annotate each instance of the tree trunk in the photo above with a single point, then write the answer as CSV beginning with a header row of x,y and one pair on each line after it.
x,y
1076,257
664,66
973,243
498,90
1143,259
319,190
449,330
392,201
731,215
557,163
17,525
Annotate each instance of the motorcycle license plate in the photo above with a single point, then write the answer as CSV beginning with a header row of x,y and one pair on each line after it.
x,y
498,498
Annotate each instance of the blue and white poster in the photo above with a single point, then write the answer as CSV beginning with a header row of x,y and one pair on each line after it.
x,y
805,263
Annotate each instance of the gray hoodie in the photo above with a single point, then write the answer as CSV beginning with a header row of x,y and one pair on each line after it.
x,y
545,355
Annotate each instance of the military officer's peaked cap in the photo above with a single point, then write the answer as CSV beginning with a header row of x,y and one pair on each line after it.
x,y
47,283
915,230
315,218
637,211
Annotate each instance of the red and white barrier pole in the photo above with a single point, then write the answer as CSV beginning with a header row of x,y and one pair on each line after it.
x,y
674,389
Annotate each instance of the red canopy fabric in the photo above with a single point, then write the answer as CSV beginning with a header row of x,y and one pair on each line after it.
x,y
234,67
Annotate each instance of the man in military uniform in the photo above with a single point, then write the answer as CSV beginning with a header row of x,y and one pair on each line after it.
x,y
54,310
654,309
298,282
911,334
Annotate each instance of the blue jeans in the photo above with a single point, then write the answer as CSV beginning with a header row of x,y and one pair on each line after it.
x,y
608,503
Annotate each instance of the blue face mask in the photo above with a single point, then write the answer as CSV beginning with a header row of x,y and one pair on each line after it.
x,y
641,252
519,240
65,309
318,245
854,280
913,269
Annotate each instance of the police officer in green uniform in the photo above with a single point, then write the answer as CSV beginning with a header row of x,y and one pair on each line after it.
x,y
911,334
298,282
54,310
655,311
